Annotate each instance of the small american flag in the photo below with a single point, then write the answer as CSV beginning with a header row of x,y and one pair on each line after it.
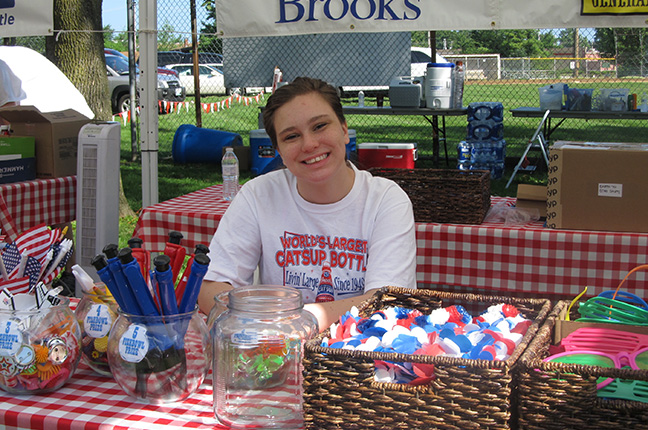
x,y
32,270
16,286
35,242
11,257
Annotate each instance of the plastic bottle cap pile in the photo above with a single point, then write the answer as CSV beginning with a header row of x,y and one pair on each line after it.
x,y
450,331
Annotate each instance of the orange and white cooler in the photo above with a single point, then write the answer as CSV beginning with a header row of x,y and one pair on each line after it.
x,y
387,155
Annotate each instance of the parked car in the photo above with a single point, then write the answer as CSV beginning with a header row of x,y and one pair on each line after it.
x,y
211,79
168,86
160,70
180,57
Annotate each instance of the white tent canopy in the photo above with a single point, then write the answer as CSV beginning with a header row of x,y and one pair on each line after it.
x,y
246,18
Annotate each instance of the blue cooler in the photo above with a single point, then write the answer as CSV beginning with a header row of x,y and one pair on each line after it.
x,y
263,156
351,151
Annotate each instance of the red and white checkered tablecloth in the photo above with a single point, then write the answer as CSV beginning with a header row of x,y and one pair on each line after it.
x,y
195,215
529,258
24,205
90,401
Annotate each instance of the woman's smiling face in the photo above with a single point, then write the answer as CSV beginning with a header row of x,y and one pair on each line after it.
x,y
311,139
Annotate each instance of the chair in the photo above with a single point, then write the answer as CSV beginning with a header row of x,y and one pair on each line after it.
x,y
541,143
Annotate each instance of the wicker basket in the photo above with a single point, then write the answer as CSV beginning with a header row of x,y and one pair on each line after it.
x,y
340,391
444,196
563,396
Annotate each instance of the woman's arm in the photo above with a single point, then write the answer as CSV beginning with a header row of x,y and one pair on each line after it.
x,y
328,313
208,291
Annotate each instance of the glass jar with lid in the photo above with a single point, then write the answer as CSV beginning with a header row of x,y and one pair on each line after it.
x,y
96,314
257,357
40,348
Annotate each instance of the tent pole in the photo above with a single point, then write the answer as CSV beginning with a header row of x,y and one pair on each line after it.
x,y
148,101
435,118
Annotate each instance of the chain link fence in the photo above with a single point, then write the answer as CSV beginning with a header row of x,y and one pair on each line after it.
x,y
369,61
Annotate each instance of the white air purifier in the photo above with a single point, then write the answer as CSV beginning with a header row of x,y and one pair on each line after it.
x,y
97,203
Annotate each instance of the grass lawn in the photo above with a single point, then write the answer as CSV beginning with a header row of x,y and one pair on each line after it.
x,y
178,179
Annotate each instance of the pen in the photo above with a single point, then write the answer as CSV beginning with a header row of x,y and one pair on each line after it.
x,y
100,264
179,292
164,278
176,252
198,270
121,283
141,255
139,287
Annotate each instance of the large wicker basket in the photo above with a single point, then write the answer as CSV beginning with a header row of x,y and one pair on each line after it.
x,y
340,391
563,396
444,195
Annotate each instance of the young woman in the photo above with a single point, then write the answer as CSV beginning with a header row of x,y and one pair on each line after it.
x,y
320,221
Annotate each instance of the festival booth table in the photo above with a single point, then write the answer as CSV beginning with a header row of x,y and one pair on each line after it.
x,y
526,260
24,205
90,401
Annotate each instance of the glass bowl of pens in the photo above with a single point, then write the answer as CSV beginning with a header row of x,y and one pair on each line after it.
x,y
39,343
158,348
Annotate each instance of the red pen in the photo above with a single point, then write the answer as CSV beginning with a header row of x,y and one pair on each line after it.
x,y
142,256
180,290
176,253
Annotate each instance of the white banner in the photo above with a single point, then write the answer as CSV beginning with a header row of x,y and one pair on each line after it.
x,y
26,18
245,18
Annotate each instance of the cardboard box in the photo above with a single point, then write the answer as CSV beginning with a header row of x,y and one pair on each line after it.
x,y
243,155
532,197
17,161
387,155
598,186
56,134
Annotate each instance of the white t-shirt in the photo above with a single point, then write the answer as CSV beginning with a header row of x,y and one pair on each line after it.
x,y
367,238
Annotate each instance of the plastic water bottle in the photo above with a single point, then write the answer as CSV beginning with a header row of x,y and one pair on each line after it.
x,y
458,85
361,99
230,167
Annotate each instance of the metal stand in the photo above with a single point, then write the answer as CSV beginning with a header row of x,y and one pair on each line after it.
x,y
541,143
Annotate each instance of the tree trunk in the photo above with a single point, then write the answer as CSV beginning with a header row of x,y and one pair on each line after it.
x,y
78,52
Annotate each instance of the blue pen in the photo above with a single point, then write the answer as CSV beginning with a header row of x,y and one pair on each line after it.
x,y
101,265
133,273
198,269
164,277
131,305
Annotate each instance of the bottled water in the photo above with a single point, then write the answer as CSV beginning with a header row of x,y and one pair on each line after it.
x,y
458,85
230,167
361,99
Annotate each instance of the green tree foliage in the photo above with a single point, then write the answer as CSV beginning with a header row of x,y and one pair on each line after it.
x,y
628,45
567,36
168,38
510,43
209,41
507,43
115,39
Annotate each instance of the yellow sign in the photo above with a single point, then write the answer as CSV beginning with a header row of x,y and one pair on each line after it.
x,y
614,7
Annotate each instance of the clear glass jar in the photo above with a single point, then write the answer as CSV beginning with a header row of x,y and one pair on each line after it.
x,y
159,359
258,347
96,314
39,349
